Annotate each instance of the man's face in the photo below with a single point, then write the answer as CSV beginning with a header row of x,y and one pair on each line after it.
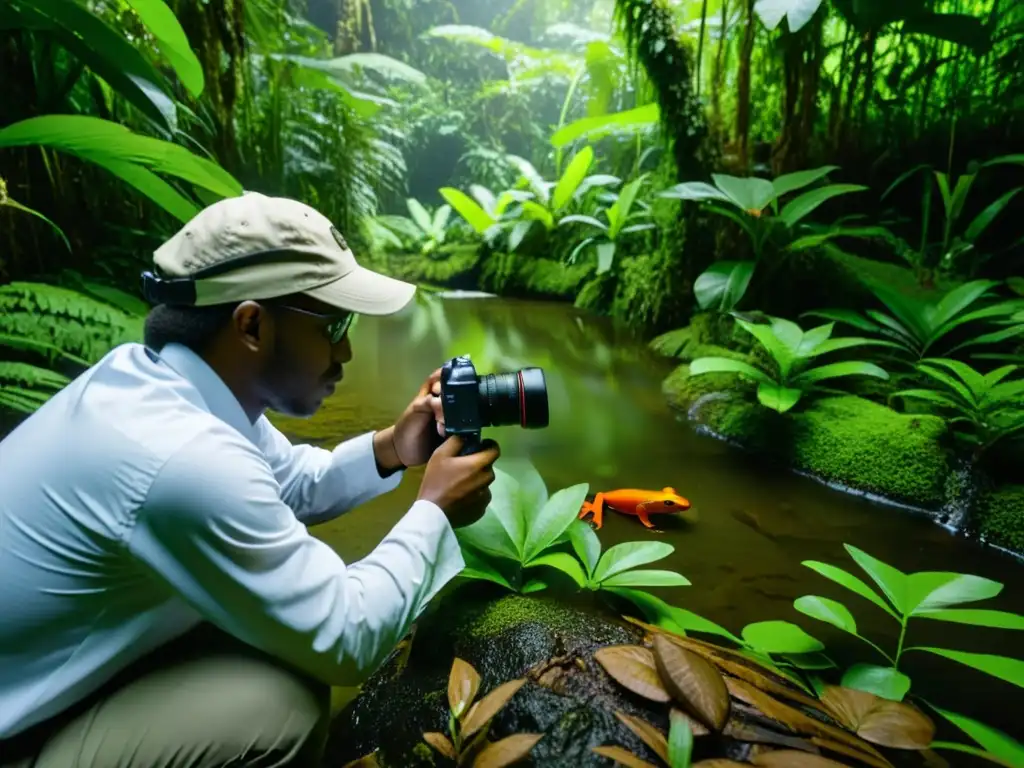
x,y
304,365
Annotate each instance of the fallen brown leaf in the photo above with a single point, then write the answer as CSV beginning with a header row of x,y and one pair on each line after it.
x,y
482,712
647,733
789,758
880,721
878,761
463,682
633,667
624,756
694,683
507,751
441,743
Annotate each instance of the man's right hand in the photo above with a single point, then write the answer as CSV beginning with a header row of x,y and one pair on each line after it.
x,y
459,485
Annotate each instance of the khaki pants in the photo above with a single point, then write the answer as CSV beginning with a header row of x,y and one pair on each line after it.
x,y
203,701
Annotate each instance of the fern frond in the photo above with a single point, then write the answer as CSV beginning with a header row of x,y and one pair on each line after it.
x,y
24,387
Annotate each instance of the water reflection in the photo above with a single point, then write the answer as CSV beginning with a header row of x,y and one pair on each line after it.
x,y
610,428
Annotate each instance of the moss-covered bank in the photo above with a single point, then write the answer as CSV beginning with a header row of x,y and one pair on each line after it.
x,y
999,517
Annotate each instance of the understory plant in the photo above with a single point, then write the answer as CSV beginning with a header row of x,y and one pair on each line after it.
x,y
925,595
524,529
793,353
422,232
982,408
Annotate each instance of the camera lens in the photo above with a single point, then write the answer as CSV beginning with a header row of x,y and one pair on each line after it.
x,y
514,398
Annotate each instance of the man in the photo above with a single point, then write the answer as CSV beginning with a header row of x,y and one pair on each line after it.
x,y
162,602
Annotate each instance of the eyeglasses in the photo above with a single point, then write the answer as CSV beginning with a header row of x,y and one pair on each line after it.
x,y
336,329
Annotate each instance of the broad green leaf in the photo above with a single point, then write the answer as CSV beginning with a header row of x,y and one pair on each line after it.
x,y
1003,667
489,536
6,201
930,396
149,184
727,365
605,256
722,285
768,335
517,234
978,617
886,682
835,370
566,563
378,62
970,750
108,53
571,179
797,209
892,581
780,637
621,211
468,209
694,190
680,740
994,741
830,611
751,194
798,13
533,585
591,128
849,342
778,397
929,590
790,182
959,299
585,544
532,493
581,219
630,554
537,212
661,614
478,567
557,515
536,182
419,214
983,219
163,24
848,316
851,582
646,578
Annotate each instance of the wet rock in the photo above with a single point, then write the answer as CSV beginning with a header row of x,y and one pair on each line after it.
x,y
567,696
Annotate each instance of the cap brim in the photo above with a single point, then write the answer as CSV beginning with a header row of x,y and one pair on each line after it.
x,y
366,292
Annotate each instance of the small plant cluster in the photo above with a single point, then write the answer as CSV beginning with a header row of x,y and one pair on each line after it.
x,y
788,652
524,529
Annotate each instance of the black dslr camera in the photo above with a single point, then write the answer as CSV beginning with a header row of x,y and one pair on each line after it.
x,y
471,402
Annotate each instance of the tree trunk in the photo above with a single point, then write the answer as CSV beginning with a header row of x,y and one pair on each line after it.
x,y
743,88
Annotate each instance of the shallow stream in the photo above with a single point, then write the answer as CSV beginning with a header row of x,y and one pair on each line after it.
x,y
610,427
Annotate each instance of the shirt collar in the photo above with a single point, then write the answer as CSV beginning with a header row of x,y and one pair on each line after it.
x,y
215,393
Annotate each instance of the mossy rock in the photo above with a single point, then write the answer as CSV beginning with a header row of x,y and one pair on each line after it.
x,y
509,274
844,440
567,695
999,518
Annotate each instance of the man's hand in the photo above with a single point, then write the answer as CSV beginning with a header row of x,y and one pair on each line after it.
x,y
414,435
460,485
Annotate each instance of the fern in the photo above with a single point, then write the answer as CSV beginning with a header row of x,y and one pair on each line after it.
x,y
24,387
59,322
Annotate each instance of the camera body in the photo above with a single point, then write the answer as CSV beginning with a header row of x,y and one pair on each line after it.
x,y
472,402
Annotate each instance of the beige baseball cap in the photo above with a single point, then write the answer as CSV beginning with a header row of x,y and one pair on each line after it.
x,y
259,247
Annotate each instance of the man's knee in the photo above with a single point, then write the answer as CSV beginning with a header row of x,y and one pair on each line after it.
x,y
228,707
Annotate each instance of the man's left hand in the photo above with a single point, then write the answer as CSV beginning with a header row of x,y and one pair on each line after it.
x,y
415,433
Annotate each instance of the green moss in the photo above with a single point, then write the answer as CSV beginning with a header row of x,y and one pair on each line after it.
x,y
454,269
495,617
1000,517
846,440
513,275
424,752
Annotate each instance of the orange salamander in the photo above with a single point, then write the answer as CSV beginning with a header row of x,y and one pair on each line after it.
x,y
635,501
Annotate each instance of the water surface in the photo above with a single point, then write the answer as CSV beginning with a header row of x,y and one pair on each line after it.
x,y
610,427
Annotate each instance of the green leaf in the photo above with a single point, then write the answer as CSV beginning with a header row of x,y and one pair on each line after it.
x,y
680,740
163,24
6,201
566,563
646,578
806,203
968,749
580,219
851,582
480,569
107,53
1003,667
986,217
571,179
886,682
586,544
722,285
994,741
892,581
830,611
751,194
727,365
557,515
595,127
605,255
778,397
468,209
518,232
790,182
929,590
780,637
630,554
533,585
976,616
836,370
133,157
660,613
694,190
419,214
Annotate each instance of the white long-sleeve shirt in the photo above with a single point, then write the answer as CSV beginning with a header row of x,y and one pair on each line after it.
x,y
140,500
